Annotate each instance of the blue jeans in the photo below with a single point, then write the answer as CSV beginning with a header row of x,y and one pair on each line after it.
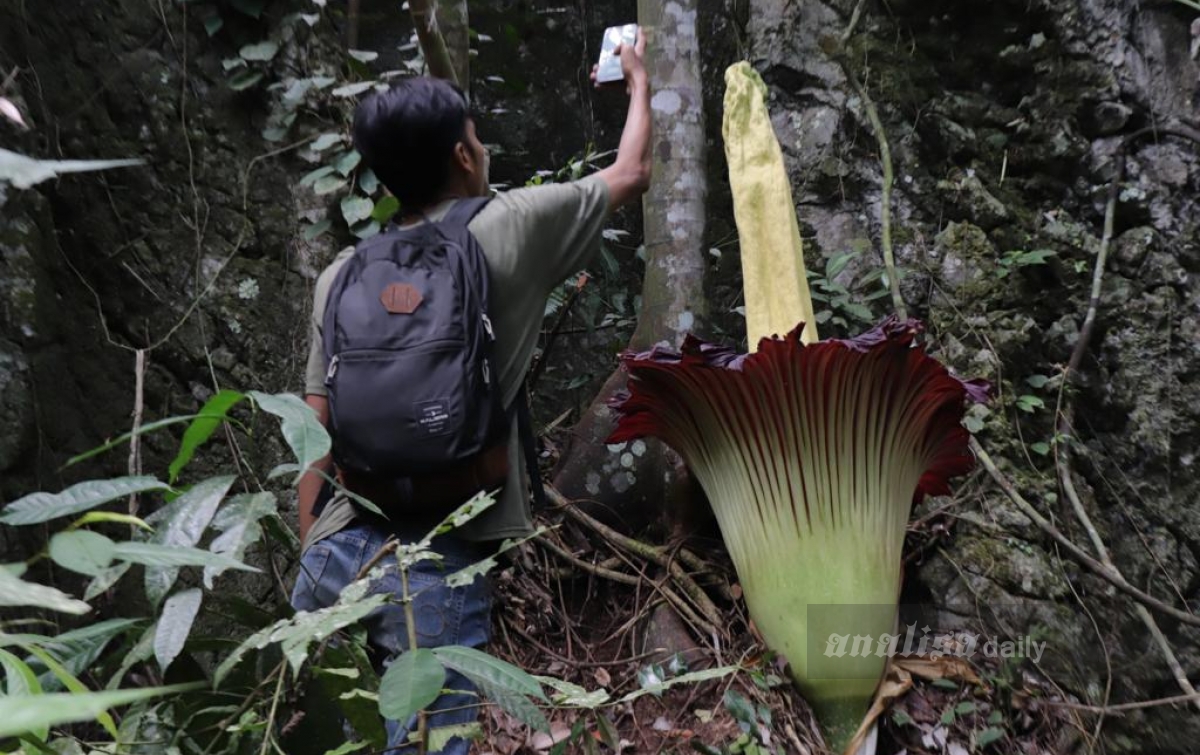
x,y
444,615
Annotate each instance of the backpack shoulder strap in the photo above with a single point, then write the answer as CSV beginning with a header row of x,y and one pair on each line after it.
x,y
463,211
529,447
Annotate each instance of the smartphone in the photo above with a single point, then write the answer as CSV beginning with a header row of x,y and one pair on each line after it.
x,y
609,67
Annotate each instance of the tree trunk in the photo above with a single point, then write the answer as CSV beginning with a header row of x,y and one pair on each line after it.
x,y
632,480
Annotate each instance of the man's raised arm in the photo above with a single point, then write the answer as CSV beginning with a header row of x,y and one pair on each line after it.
x,y
629,175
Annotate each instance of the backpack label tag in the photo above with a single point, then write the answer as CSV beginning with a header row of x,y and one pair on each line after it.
x,y
401,298
433,417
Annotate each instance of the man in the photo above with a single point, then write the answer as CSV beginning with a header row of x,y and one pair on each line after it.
x,y
420,141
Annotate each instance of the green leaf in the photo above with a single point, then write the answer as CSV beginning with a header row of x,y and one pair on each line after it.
x,y
365,229
261,51
739,707
175,624
989,736
837,264
21,715
142,650
313,176
36,508
328,185
858,311
238,521
151,554
302,430
18,677
368,182
995,718
314,230
1030,403
363,56
901,718
123,440
481,667
350,747
105,580
325,141
964,708
1040,448
1037,381
72,683
211,415
77,649
688,678
948,716
347,162
82,551
440,736
355,209
412,683
24,172
244,79
213,23
15,591
353,90
181,524
385,208
572,695
947,684
295,634
110,517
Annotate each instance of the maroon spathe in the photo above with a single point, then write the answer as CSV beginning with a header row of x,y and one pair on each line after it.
x,y
731,382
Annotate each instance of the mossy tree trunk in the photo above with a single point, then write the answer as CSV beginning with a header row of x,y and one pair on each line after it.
x,y
633,481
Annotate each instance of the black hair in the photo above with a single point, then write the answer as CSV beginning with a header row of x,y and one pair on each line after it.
x,y
407,134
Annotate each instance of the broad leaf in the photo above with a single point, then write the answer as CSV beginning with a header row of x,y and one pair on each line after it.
x,y
175,624
313,176
355,209
152,554
688,678
142,650
302,430
311,232
82,551
295,634
325,141
73,685
351,90
238,522
348,162
350,747
212,414
262,51
412,683
245,79
24,172
385,208
110,517
77,649
15,591
105,580
440,736
36,508
182,524
327,185
478,665
19,679
572,695
20,715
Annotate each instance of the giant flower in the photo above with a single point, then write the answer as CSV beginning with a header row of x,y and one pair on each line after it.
x,y
812,453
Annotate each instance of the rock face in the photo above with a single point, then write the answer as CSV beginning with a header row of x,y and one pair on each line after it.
x,y
1003,121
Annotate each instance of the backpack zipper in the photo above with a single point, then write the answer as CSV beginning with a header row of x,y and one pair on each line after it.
x,y
487,325
333,365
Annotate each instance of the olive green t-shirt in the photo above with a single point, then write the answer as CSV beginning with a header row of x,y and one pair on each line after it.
x,y
533,238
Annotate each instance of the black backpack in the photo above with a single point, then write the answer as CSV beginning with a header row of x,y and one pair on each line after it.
x,y
411,379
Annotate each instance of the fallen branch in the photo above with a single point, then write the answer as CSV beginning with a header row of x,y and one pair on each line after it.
x,y
646,551
1099,569
1064,423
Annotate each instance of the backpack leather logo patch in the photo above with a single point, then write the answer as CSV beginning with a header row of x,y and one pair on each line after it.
x,y
401,298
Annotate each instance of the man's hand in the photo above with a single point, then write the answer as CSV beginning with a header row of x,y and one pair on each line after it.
x,y
629,175
631,64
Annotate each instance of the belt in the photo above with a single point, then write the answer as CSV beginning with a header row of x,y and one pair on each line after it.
x,y
442,491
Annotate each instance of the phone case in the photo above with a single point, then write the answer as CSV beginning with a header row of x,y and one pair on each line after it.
x,y
609,67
